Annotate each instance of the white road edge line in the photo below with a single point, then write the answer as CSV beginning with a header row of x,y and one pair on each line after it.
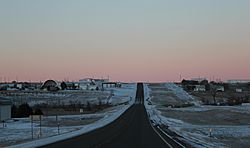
x,y
159,133
160,128
170,137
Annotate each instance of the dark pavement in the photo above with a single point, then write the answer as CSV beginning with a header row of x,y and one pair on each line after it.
x,y
131,130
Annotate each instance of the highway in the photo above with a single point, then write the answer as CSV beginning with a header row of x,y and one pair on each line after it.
x,y
131,130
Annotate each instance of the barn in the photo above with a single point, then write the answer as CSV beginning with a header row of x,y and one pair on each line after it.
x,y
5,109
50,85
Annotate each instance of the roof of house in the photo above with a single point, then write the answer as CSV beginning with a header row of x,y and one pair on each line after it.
x,y
51,83
238,81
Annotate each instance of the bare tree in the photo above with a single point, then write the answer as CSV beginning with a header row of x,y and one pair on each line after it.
x,y
89,106
213,90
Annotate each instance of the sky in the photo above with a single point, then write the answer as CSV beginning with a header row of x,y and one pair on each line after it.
x,y
131,40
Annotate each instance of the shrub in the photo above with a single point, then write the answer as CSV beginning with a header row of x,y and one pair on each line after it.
x,y
24,110
14,111
38,112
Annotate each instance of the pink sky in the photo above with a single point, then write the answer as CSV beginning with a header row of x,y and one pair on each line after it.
x,y
129,41
126,65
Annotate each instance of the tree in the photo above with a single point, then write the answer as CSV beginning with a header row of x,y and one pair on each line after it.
x,y
204,82
38,112
63,85
13,111
213,90
88,106
226,86
24,110
97,88
73,105
184,82
73,86
78,104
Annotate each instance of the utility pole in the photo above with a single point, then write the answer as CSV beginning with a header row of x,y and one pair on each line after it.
x,y
58,128
32,126
3,124
210,132
58,125
40,132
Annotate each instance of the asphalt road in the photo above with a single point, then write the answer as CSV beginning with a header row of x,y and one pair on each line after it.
x,y
131,130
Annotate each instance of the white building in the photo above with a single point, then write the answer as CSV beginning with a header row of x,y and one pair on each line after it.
x,y
99,82
91,84
5,109
198,79
238,81
220,88
85,83
200,88
238,90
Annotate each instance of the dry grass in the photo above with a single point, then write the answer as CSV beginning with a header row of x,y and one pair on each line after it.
x,y
162,96
206,116
209,117
69,122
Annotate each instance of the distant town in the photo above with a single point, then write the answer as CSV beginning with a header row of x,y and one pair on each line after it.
x,y
54,85
39,110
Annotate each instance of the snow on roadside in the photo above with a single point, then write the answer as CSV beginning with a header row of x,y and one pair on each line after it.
x,y
128,92
181,94
123,95
84,129
194,138
244,108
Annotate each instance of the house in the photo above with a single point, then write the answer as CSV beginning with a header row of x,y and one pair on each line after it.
x,y
99,83
220,88
3,87
72,86
84,84
111,84
50,85
238,90
244,85
200,88
92,84
189,85
238,81
199,79
5,109
7,86
20,86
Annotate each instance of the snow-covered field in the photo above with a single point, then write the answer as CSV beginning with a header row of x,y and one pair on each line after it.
x,y
229,125
19,132
122,95
61,97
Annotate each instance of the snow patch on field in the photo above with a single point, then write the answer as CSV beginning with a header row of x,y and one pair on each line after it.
x,y
21,130
84,129
178,126
123,95
195,134
181,94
